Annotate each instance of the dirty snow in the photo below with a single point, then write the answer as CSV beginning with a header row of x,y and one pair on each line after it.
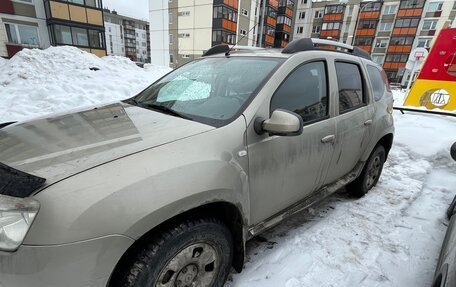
x,y
390,237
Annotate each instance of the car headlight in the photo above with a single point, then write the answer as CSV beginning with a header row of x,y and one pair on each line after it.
x,y
16,217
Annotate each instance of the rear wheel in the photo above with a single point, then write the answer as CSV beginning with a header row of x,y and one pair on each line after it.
x,y
370,173
193,253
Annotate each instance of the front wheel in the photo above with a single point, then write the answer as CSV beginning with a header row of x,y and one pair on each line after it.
x,y
370,173
193,253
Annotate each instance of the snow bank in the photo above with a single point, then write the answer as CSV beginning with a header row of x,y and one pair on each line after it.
x,y
38,82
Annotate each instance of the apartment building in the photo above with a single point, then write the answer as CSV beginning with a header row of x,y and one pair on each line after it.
x,y
181,30
42,23
127,36
388,29
22,25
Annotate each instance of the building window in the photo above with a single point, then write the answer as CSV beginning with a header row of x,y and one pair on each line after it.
x,y
80,2
385,27
405,23
424,43
222,12
381,43
371,6
244,12
347,28
331,26
184,35
429,24
412,4
302,15
316,29
363,41
350,11
318,14
243,32
402,41
171,58
435,6
184,13
171,38
300,30
284,20
63,35
170,19
22,34
390,9
334,9
401,58
303,1
378,59
186,56
368,24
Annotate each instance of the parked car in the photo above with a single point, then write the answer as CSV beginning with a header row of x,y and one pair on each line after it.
x,y
165,188
445,273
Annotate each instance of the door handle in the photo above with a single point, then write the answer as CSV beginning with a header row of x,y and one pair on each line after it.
x,y
328,139
368,122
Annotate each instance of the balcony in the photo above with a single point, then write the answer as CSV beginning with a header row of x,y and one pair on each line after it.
x,y
329,33
365,32
404,31
409,12
333,17
369,15
271,21
399,49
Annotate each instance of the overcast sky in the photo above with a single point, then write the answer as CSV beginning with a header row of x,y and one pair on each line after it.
x,y
132,8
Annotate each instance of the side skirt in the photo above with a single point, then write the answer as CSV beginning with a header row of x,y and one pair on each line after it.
x,y
306,202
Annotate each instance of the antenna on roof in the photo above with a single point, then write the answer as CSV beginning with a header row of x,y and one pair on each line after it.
x,y
232,47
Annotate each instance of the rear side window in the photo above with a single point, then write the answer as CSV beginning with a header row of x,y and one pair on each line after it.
x,y
377,81
350,83
304,92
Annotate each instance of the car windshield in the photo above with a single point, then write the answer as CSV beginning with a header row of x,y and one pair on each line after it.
x,y
211,90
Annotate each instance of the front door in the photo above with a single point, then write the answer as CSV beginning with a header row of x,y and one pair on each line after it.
x,y
286,169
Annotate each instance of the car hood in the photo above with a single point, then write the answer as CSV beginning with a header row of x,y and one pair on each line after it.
x,y
63,145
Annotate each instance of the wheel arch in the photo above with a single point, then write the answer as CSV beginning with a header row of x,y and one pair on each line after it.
x,y
387,142
226,212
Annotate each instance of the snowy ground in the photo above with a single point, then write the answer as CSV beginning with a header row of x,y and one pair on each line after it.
x,y
390,237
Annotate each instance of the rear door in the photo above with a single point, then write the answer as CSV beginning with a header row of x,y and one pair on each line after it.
x,y
353,119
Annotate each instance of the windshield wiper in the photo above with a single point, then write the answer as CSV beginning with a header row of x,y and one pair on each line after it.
x,y
163,109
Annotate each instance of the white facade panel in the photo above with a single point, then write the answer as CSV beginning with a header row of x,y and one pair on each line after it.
x,y
159,32
114,40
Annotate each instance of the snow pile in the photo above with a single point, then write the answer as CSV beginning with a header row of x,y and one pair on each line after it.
x,y
38,82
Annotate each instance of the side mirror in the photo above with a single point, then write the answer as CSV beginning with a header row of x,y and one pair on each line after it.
x,y
453,151
281,123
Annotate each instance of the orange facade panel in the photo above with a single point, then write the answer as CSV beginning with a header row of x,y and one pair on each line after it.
x,y
269,39
404,31
289,12
77,14
399,49
287,28
227,24
283,44
369,15
329,33
333,17
271,21
365,32
59,10
409,12
393,65
94,17
365,48
231,3
274,3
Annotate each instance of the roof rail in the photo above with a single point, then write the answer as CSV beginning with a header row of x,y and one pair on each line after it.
x,y
308,44
224,48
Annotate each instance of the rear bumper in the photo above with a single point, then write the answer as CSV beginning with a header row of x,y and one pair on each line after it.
x,y
85,263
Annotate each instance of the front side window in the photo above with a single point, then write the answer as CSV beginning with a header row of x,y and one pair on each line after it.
x,y
22,34
304,92
350,84
211,90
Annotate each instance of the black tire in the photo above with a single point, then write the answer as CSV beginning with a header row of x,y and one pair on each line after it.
x,y
198,238
370,174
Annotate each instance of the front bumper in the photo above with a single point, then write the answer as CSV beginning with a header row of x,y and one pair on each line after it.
x,y
81,264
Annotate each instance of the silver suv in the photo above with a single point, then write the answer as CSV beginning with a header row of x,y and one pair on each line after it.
x,y
165,188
